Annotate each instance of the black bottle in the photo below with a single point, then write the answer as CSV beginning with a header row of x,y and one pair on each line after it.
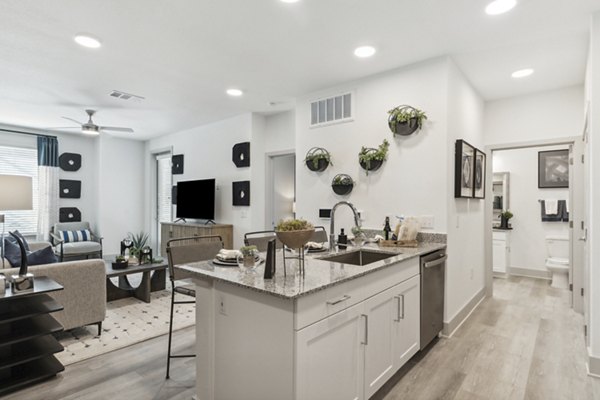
x,y
387,228
342,240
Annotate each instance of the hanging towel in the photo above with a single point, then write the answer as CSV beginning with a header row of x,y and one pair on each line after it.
x,y
551,207
549,217
563,210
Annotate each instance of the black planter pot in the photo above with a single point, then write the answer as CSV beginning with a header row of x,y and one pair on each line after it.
x,y
374,165
322,165
342,190
503,222
404,128
120,265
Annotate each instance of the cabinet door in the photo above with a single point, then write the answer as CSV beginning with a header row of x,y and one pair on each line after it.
x,y
330,357
499,255
381,343
407,320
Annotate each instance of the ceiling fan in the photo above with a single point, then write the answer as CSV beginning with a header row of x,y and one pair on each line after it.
x,y
91,128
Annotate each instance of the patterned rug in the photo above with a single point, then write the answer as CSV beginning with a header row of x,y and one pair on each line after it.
x,y
128,321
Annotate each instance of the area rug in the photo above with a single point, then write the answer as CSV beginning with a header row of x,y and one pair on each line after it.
x,y
128,321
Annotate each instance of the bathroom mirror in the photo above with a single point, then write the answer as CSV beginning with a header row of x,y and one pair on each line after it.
x,y
500,192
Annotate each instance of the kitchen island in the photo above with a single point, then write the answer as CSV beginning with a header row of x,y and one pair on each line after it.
x,y
338,332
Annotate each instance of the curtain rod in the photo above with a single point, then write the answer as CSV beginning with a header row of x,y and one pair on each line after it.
x,y
26,133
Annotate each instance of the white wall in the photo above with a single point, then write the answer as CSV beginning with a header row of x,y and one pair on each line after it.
x,y
541,116
528,247
465,272
413,179
280,131
120,193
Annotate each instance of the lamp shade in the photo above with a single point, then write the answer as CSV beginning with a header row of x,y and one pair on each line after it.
x,y
15,192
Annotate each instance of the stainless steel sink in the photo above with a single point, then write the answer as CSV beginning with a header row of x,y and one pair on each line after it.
x,y
359,257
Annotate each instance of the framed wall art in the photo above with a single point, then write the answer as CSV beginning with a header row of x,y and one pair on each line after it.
x,y
479,175
464,165
553,169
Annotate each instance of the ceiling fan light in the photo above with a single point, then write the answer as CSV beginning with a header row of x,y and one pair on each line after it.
x,y
90,131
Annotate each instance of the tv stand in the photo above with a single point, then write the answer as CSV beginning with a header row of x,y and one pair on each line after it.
x,y
172,230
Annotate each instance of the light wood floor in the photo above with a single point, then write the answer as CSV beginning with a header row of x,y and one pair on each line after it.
x,y
524,343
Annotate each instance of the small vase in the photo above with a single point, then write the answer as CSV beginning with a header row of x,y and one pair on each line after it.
x,y
247,262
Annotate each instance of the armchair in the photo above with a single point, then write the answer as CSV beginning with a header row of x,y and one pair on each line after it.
x,y
75,246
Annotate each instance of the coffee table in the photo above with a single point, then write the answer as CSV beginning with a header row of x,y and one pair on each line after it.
x,y
153,279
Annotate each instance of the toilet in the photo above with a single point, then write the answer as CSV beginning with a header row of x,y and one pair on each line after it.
x,y
558,260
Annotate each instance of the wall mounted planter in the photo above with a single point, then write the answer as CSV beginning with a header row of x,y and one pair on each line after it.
x,y
405,120
342,184
371,159
317,159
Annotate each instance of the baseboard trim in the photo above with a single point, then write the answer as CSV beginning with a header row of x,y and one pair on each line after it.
x,y
530,273
461,316
593,365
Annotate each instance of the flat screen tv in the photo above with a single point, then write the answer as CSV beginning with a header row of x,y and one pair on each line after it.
x,y
196,199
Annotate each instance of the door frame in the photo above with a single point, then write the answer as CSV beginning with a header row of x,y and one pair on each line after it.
x,y
574,191
269,181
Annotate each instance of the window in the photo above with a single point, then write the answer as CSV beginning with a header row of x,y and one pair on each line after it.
x,y
163,191
20,161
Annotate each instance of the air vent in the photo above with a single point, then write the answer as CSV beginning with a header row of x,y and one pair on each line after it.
x,y
331,110
125,96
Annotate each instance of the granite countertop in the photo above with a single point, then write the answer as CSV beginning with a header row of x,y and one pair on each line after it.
x,y
319,274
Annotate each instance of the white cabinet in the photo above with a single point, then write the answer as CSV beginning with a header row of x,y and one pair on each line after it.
x,y
351,354
407,332
380,312
330,357
501,251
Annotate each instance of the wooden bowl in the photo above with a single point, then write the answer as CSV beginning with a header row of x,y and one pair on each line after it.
x,y
295,239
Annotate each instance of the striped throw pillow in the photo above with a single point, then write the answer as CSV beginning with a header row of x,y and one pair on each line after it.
x,y
76,236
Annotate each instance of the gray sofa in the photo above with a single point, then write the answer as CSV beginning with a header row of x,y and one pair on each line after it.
x,y
84,294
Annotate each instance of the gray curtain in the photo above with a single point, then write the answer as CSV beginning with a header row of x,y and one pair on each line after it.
x,y
47,149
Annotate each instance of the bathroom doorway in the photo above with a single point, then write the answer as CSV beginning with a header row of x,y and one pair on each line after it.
x,y
516,184
280,188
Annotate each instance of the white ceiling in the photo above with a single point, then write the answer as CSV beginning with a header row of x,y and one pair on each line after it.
x,y
182,55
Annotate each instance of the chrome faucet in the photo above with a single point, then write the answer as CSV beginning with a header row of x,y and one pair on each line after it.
x,y
332,226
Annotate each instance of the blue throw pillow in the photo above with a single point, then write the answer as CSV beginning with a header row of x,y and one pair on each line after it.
x,y
38,257
82,235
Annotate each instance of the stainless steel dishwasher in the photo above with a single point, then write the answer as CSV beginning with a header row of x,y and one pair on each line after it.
x,y
433,271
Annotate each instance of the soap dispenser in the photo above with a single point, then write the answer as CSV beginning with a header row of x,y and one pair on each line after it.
x,y
342,240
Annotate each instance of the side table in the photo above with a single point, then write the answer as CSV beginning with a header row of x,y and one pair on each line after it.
x,y
27,346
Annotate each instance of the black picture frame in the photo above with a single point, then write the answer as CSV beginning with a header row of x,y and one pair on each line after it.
x,y
479,175
553,169
464,162
69,214
69,162
177,164
69,189
240,154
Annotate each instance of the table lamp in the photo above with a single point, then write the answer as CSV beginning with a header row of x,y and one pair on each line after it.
x,y
15,194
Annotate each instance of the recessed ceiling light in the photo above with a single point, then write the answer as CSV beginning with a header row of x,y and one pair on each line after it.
x,y
522,73
289,1
364,51
234,92
500,6
86,40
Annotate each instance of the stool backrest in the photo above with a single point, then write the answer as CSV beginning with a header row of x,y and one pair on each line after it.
x,y
261,239
191,249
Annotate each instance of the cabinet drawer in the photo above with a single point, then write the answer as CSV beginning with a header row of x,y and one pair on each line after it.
x,y
324,303
319,305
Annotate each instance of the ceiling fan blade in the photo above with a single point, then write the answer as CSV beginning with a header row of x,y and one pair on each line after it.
x,y
116,129
54,128
71,119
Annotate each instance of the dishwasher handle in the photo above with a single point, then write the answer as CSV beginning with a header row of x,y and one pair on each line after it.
x,y
439,261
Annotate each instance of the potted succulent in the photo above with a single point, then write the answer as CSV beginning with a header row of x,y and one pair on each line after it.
x,y
247,258
371,159
317,159
120,263
342,184
294,233
504,217
404,120
139,241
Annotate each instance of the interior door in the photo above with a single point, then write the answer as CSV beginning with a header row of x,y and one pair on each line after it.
x,y
577,226
281,191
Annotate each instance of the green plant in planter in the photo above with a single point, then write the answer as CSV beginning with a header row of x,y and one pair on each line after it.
x,y
248,250
139,241
406,114
343,180
289,225
316,156
367,155
120,259
507,214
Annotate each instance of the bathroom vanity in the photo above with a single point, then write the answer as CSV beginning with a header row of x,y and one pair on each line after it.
x,y
338,332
